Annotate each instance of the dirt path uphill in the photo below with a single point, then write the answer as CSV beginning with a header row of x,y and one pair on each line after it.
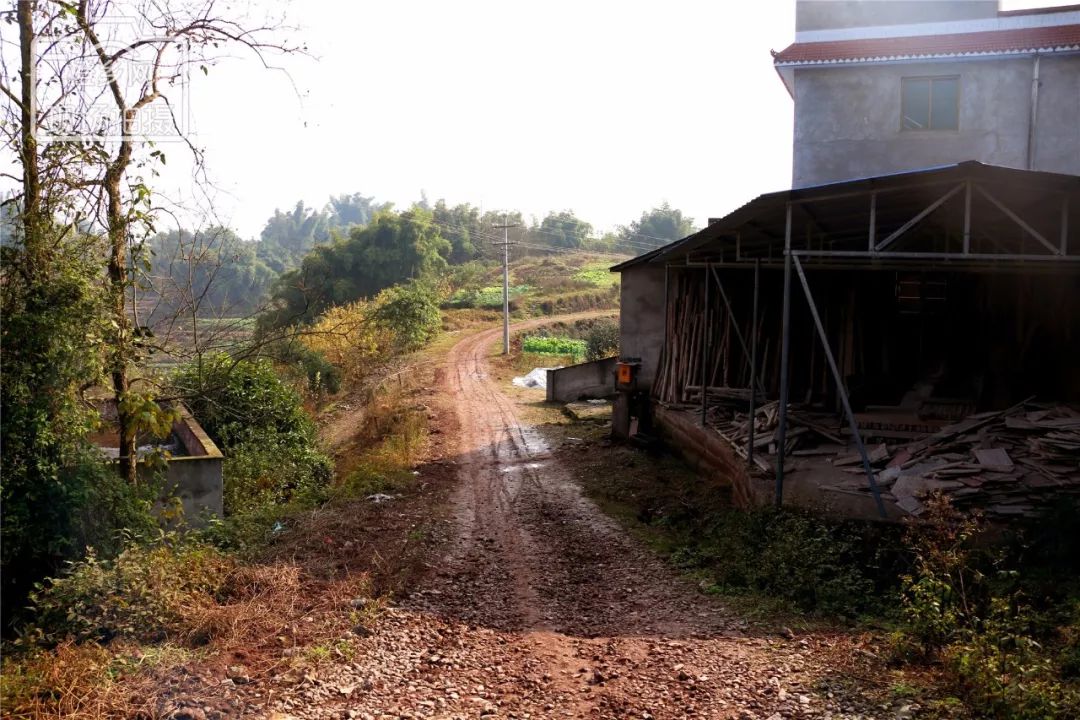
x,y
543,607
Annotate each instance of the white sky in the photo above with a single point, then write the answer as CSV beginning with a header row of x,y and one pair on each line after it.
x,y
603,107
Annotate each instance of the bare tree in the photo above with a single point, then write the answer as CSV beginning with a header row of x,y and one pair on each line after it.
x,y
101,83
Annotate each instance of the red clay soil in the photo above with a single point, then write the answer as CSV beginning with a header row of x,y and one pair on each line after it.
x,y
538,605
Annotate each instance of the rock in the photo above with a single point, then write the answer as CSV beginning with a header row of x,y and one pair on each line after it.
x,y
238,674
191,713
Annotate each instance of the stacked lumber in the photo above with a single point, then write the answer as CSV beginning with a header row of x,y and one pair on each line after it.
x,y
1017,462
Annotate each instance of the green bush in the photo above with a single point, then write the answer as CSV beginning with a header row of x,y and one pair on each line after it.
x,y
602,340
411,313
267,471
965,604
237,400
270,443
144,594
88,505
319,373
811,563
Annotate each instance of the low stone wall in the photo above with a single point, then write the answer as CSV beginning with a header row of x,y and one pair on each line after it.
x,y
710,455
594,379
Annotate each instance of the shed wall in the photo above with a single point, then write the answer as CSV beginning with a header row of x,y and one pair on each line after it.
x,y
641,319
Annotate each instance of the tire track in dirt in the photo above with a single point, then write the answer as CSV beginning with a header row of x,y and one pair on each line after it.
x,y
543,607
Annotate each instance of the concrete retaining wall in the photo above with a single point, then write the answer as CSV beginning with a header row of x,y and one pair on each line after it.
x,y
588,380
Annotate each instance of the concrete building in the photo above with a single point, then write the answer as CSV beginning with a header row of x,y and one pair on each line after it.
x,y
887,86
193,473
919,281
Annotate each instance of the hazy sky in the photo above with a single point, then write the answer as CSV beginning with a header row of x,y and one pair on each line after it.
x,y
606,108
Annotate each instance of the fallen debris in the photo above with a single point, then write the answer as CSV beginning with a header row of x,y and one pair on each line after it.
x,y
1014,462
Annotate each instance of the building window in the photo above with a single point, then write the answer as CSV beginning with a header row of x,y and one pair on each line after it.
x,y
930,103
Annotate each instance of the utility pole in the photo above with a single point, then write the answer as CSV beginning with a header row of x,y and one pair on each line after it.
x,y
505,227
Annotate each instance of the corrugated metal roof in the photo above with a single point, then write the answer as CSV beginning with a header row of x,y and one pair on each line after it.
x,y
1060,38
771,206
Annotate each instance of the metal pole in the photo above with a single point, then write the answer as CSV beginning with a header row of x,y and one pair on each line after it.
x,y
841,390
785,343
705,354
753,363
734,324
967,217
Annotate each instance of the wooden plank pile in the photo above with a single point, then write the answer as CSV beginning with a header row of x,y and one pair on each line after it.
x,y
1010,463
1015,462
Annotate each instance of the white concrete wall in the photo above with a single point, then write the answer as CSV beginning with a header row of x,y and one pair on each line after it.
x,y
641,319
847,119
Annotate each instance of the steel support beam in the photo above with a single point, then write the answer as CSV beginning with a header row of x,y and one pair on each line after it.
x,y
1064,224
753,363
958,257
873,222
841,390
1018,220
967,217
913,221
785,344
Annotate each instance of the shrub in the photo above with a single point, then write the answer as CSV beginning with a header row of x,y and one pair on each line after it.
x,y
269,442
144,594
968,608
351,340
267,471
411,313
319,374
236,400
89,504
602,340
811,563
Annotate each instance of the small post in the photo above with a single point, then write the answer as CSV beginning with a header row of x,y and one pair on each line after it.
x,y
842,391
753,363
705,352
785,344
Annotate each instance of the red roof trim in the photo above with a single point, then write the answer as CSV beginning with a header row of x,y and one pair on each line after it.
x,y
1059,37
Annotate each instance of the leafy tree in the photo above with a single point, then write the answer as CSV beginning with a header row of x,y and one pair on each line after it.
x,y
564,229
654,228
288,236
460,225
410,312
209,273
395,247
348,210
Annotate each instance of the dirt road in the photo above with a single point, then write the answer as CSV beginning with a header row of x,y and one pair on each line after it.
x,y
543,607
